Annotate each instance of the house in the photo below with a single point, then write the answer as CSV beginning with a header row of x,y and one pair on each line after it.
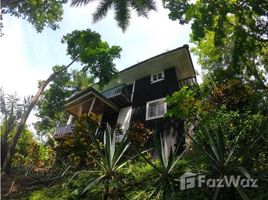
x,y
138,94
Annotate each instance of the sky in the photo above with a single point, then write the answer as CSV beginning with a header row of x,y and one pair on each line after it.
x,y
27,56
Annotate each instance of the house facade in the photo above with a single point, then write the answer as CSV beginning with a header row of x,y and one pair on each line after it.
x,y
137,95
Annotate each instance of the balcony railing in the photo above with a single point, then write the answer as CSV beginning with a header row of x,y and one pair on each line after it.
x,y
120,89
63,131
187,82
120,94
103,128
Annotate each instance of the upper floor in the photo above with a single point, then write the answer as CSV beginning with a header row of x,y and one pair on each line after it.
x,y
137,86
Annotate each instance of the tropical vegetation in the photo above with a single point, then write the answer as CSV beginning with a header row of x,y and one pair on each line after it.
x,y
225,117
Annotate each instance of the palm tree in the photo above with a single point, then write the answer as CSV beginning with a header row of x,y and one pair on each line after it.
x,y
122,9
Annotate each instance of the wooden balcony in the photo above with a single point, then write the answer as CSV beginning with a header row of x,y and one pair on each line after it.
x,y
103,128
63,131
67,131
190,81
120,95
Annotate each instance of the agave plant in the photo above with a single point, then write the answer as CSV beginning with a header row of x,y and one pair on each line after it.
x,y
220,157
166,180
110,160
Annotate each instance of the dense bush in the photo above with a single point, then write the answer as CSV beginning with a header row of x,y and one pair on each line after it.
x,y
75,149
138,134
229,136
32,155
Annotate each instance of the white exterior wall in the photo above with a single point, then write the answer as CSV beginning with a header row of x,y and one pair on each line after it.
x,y
70,120
124,118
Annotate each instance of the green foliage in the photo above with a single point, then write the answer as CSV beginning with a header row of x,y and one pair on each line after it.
x,y
139,178
122,9
234,95
52,193
51,104
220,156
10,106
39,13
213,16
166,181
75,150
230,37
183,103
26,145
226,61
11,110
80,80
96,55
30,154
109,161
230,132
231,104
138,135
28,150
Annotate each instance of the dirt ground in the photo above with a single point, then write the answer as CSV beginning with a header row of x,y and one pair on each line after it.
x,y
17,184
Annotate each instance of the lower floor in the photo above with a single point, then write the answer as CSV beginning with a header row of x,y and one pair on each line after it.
x,y
171,129
150,114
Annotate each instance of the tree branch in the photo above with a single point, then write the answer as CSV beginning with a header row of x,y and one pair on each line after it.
x,y
25,115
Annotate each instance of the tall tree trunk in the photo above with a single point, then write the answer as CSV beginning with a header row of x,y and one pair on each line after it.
x,y
24,117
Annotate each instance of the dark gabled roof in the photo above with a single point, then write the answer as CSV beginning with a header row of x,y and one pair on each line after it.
x,y
162,54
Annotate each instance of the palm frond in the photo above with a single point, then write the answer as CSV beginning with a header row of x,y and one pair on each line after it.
x,y
119,155
122,9
220,144
176,160
232,150
213,146
163,151
122,13
74,175
149,162
109,146
143,7
102,10
243,171
92,184
216,193
80,2
168,160
242,193
155,191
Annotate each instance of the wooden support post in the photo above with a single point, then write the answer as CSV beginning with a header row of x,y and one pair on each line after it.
x,y
91,106
70,119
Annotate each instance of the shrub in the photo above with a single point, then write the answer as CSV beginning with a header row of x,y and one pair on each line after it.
x,y
74,150
109,160
138,135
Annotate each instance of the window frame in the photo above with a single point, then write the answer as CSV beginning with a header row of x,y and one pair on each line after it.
x,y
158,116
157,79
